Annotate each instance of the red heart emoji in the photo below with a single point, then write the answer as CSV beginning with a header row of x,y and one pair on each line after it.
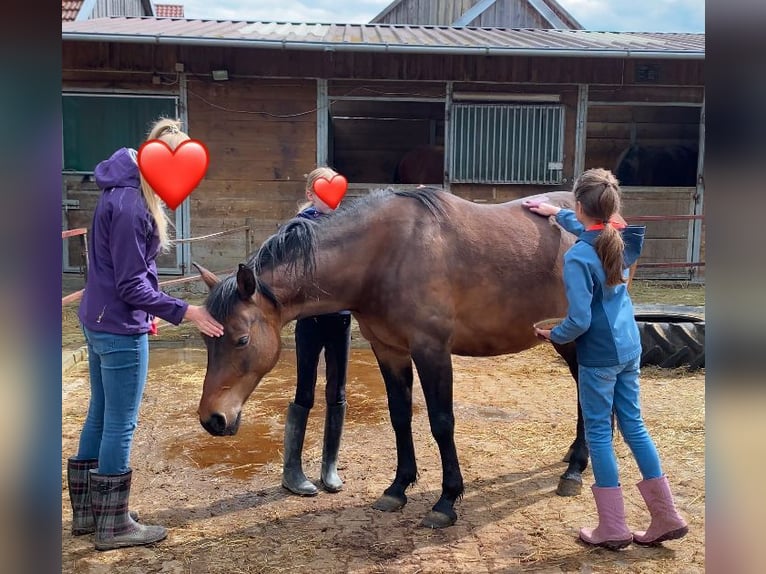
x,y
173,174
332,191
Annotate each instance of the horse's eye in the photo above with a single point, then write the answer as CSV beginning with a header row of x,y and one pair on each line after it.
x,y
243,341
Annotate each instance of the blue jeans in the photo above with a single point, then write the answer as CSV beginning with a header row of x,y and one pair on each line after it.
x,y
118,368
603,389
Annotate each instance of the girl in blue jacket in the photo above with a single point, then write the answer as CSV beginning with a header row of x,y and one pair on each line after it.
x,y
601,322
121,299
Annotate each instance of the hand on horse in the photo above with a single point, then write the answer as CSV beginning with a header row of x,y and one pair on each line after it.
x,y
542,208
204,321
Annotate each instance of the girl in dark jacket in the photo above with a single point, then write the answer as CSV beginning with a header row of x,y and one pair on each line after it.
x,y
331,332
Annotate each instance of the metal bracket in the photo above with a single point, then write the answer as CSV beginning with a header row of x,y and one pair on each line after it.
x,y
70,204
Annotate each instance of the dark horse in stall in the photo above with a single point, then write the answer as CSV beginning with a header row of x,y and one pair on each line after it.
x,y
423,164
657,166
427,275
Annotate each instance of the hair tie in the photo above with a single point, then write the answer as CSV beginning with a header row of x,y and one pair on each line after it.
x,y
173,129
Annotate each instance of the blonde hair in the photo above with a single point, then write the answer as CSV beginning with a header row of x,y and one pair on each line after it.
x,y
598,192
312,177
168,131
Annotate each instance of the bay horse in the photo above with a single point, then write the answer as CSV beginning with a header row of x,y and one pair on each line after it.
x,y
427,275
423,164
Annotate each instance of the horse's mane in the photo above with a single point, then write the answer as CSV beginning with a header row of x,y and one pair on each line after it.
x,y
294,244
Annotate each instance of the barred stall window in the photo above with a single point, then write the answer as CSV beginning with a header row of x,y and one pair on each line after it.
x,y
507,143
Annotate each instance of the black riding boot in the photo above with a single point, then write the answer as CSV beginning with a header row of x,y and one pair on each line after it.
x,y
293,478
333,430
115,528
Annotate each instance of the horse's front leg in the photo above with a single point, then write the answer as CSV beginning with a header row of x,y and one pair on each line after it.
x,y
396,369
570,483
434,366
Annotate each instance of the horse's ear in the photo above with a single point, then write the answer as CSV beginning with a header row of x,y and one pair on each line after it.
x,y
208,277
245,282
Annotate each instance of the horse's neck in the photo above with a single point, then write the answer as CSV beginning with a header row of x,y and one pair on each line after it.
x,y
335,285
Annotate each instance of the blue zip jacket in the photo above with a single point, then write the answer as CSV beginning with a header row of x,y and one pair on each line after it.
x,y
600,319
122,289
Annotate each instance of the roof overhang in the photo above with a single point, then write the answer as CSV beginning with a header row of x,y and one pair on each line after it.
x,y
164,39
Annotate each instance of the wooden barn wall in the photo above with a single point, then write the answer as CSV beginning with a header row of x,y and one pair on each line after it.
x,y
427,12
260,126
261,136
511,14
502,14
265,63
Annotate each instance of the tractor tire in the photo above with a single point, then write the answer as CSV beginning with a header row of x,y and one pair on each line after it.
x,y
671,335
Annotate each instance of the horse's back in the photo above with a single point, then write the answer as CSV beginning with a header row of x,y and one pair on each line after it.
x,y
478,275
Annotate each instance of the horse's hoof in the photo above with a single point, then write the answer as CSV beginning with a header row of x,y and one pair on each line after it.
x,y
388,503
569,486
436,519
568,455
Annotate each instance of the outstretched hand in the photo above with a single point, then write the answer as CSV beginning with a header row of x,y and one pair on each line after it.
x,y
544,334
203,320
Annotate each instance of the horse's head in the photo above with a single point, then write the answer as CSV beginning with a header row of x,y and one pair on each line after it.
x,y
248,349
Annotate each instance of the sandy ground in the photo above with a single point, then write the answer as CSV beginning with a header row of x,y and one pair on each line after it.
x,y
226,512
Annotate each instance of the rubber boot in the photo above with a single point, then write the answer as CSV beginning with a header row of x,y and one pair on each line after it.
x,y
114,527
333,430
611,532
293,478
78,479
666,523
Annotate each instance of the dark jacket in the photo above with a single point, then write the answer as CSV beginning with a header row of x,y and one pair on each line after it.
x,y
121,292
313,213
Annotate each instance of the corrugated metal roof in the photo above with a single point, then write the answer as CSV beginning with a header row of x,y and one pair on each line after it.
x,y
388,38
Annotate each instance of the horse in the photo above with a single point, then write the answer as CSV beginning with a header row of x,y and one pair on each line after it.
x,y
671,166
426,274
423,164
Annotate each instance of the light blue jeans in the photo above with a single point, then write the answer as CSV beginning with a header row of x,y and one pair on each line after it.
x,y
118,368
603,389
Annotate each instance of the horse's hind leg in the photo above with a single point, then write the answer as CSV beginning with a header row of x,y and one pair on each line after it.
x,y
396,369
570,483
435,371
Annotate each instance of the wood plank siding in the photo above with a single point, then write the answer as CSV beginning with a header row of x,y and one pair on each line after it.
x,y
261,125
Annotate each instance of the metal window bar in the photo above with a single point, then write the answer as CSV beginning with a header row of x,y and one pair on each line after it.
x,y
507,143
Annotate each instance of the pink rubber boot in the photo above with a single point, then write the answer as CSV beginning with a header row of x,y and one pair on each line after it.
x,y
611,532
666,523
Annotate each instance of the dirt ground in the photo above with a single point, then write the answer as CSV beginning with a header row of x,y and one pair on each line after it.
x,y
515,418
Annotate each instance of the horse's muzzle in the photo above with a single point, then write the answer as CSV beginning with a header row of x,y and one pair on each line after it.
x,y
216,425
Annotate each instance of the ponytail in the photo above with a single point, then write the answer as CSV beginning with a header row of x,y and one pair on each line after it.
x,y
598,192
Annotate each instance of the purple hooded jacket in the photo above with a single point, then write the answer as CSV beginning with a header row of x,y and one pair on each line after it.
x,y
121,292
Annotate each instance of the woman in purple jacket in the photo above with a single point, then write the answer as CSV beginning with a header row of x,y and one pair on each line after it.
x,y
121,299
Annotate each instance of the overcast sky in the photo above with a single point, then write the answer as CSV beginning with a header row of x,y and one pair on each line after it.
x,y
610,15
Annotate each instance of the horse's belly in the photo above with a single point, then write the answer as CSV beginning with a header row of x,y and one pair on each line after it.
x,y
473,346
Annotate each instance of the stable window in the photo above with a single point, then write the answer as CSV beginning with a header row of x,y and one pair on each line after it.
x,y
507,143
96,125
